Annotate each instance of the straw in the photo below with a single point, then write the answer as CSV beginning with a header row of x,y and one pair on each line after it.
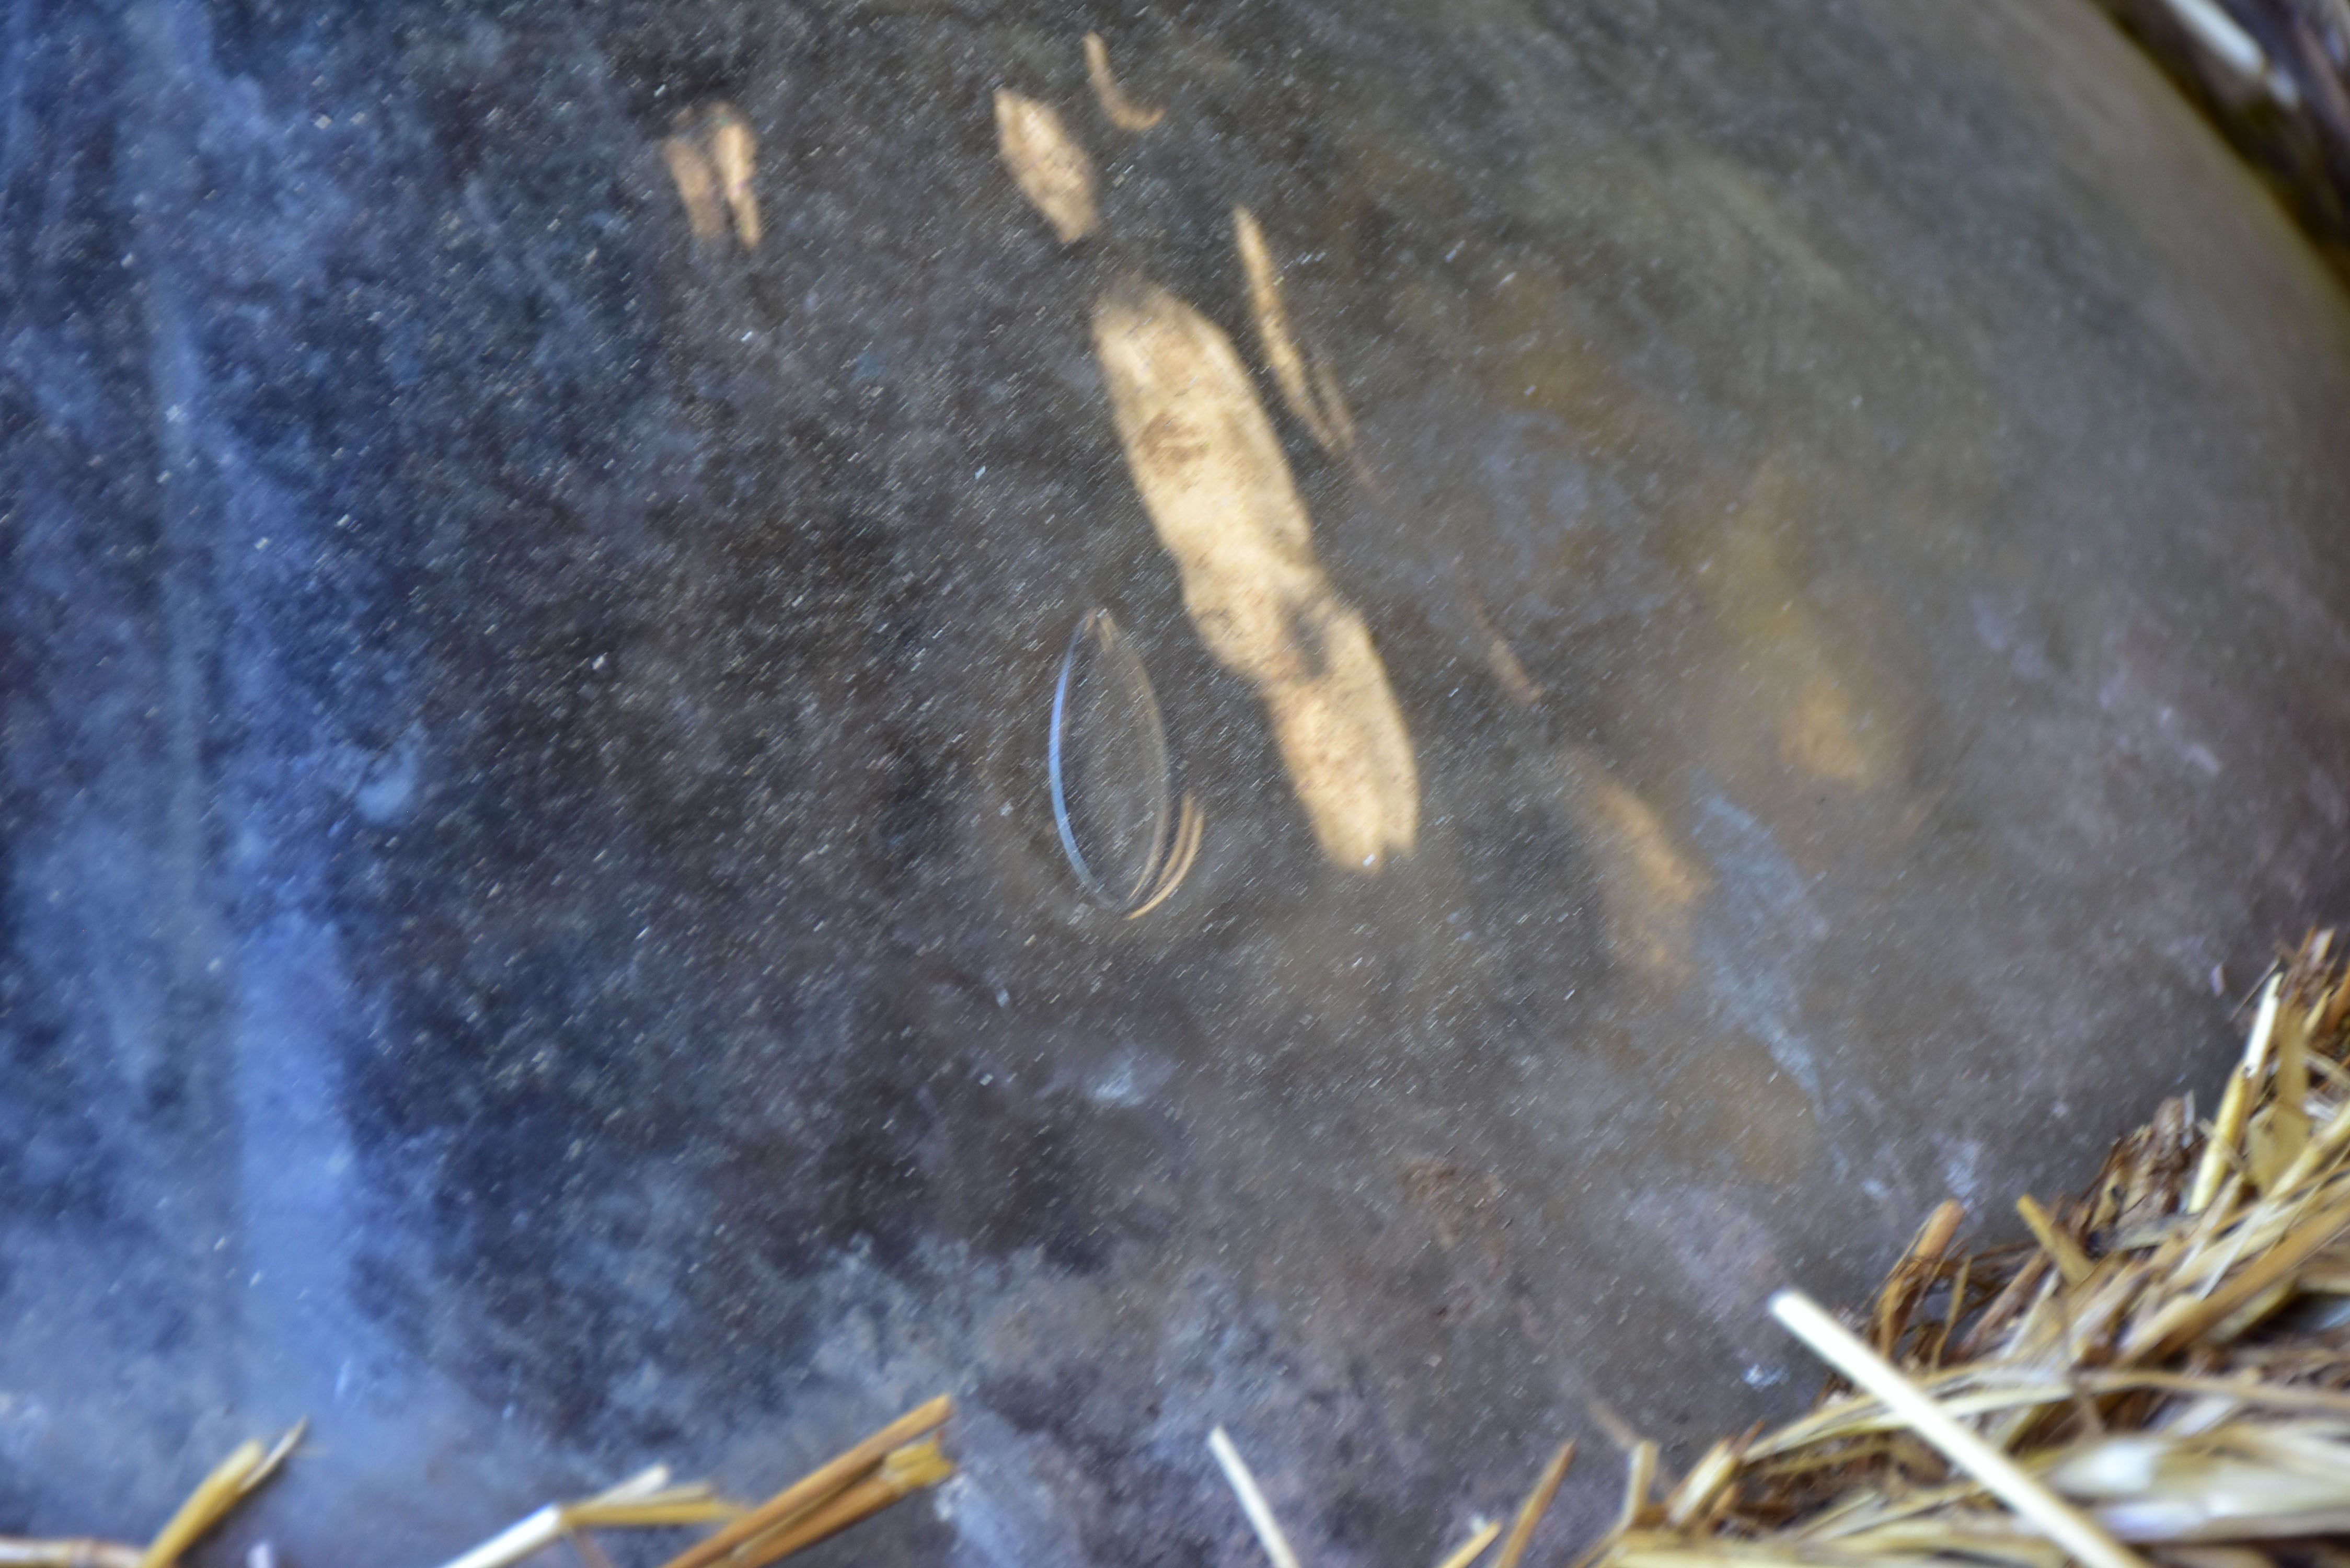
x,y
819,1485
76,1552
1470,1549
1530,1512
900,1473
1252,1503
232,1481
1116,107
646,1498
1840,1348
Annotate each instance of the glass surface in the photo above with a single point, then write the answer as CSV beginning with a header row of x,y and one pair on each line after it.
x,y
1107,752
1749,596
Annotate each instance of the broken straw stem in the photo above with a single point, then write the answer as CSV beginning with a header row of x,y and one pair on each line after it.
x,y
1474,1547
530,1533
2062,1523
536,1532
71,1551
2236,1102
905,1470
208,1504
1537,1503
1252,1503
833,1477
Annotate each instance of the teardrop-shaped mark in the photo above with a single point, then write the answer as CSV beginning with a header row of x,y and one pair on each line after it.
x,y
1128,840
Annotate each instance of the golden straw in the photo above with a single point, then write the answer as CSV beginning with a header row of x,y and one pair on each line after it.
x,y
817,1485
1252,1503
2058,1520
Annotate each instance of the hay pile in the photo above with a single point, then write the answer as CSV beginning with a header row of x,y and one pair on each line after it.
x,y
2162,1375
2161,1367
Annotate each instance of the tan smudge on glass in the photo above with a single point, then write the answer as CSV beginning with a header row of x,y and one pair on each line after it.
x,y
735,151
1501,658
1121,111
1220,497
1748,1105
1648,886
1051,170
697,186
1311,395
1833,722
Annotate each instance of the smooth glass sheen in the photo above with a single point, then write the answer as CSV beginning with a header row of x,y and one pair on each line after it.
x,y
1778,652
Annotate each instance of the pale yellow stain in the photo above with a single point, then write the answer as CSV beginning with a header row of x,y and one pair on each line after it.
x,y
697,186
712,165
1313,395
1047,163
1752,1108
1119,110
1821,735
1829,720
1501,658
735,151
1648,884
1220,497
1768,228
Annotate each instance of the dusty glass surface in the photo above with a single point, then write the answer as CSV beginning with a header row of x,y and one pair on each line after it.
x,y
1109,772
1749,596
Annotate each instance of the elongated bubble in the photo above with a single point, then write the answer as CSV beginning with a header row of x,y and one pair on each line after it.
x,y
1112,794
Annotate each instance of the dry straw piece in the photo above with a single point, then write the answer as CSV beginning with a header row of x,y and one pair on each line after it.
x,y
231,1482
77,1551
1251,1500
901,1458
1501,658
837,1494
1277,1549
713,156
645,1499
